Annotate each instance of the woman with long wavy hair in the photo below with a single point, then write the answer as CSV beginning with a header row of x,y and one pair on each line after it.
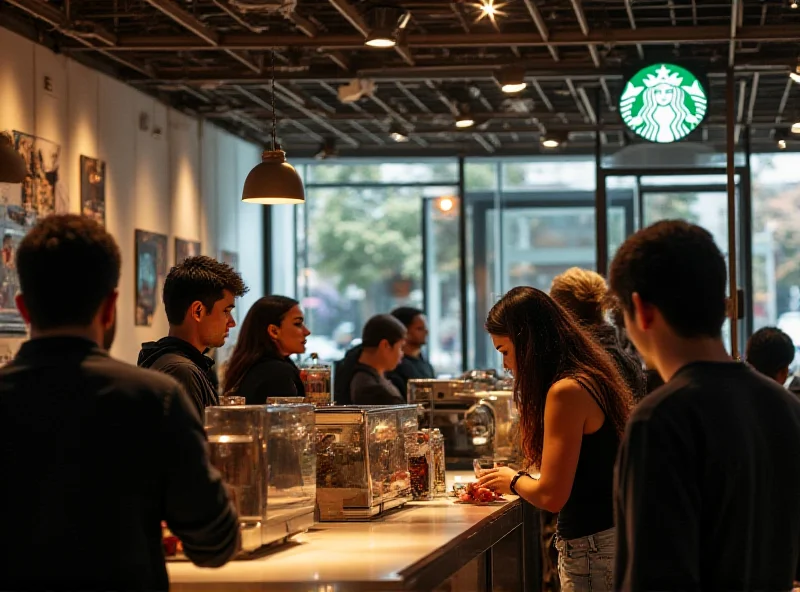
x,y
573,406
260,366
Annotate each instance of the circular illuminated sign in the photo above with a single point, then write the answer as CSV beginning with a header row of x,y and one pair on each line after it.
x,y
663,103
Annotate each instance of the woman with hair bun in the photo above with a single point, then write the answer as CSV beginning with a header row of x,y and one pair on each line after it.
x,y
584,294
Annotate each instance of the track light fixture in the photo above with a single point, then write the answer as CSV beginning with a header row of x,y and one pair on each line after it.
x,y
464,118
398,134
385,23
781,137
554,139
327,149
511,79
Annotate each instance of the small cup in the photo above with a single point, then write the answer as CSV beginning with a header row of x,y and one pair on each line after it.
x,y
482,464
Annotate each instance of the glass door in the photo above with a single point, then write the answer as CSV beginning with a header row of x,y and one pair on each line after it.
x,y
701,199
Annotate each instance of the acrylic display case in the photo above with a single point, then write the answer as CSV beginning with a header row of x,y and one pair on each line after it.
x,y
362,464
267,460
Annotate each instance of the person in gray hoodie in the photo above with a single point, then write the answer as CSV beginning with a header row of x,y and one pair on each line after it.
x,y
199,298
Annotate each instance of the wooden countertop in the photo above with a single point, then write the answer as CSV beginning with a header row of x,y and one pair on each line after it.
x,y
412,548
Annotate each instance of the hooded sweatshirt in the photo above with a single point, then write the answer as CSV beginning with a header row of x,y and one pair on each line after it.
x,y
628,365
181,360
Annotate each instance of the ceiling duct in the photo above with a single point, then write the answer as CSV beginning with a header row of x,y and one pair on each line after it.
x,y
267,6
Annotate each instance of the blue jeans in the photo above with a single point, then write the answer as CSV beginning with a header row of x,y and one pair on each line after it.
x,y
587,564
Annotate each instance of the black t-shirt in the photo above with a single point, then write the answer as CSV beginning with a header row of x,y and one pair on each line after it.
x,y
95,454
708,484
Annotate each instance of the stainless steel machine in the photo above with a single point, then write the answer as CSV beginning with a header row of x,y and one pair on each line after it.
x,y
474,415
362,464
267,459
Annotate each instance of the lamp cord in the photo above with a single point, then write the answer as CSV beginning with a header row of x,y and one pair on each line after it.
x,y
274,118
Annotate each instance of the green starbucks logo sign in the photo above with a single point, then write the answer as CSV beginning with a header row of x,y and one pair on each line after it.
x,y
663,103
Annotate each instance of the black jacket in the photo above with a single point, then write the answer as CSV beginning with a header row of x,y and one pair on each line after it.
x,y
343,371
271,376
629,366
96,453
410,368
187,365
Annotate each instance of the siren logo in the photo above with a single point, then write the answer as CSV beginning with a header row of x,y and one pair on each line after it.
x,y
663,103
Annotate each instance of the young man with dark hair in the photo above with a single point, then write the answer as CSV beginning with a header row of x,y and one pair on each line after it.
x,y
199,298
413,364
771,352
708,474
362,373
96,452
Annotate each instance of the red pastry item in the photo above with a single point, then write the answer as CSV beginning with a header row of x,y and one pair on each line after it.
x,y
474,493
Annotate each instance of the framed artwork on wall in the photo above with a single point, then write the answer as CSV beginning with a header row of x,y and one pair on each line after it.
x,y
151,269
185,249
93,189
21,206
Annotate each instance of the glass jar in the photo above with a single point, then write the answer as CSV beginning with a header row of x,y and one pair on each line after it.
x,y
420,465
439,471
316,378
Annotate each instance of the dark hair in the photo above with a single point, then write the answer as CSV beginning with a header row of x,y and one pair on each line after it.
x,y
198,278
254,340
582,293
406,314
68,265
676,267
382,327
550,346
770,350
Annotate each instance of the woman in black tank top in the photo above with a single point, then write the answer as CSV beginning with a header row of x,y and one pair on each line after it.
x,y
573,405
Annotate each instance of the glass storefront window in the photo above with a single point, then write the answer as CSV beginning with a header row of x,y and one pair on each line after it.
x,y
776,243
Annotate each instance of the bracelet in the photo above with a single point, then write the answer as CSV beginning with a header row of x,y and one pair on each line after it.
x,y
515,479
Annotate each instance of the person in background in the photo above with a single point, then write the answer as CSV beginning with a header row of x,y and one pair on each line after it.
x,y
583,293
97,452
362,373
771,352
573,404
413,364
199,297
260,366
708,475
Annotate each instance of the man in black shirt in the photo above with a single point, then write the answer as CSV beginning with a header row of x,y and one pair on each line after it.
x,y
96,453
771,352
708,474
413,364
199,298
362,373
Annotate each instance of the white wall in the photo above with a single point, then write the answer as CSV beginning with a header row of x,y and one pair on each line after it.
x,y
185,183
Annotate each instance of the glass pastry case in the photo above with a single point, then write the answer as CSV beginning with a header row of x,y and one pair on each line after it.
x,y
267,460
362,463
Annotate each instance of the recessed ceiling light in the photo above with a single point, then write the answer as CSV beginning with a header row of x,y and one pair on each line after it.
x,y
465,121
380,38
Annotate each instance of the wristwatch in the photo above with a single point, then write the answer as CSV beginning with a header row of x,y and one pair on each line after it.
x,y
515,479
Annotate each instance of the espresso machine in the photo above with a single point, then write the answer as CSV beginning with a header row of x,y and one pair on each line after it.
x,y
475,414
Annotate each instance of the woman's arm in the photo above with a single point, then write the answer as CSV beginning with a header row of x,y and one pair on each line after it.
x,y
565,413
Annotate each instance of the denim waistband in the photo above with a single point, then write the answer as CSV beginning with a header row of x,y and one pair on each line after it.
x,y
591,542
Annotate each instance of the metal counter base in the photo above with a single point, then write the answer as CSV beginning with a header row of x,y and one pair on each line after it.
x,y
426,546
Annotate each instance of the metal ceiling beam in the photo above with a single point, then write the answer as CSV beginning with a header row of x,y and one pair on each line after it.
x,y
632,21
58,20
541,26
786,33
578,8
226,7
753,93
735,8
210,36
483,142
288,98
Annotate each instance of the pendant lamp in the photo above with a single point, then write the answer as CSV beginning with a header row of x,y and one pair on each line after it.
x,y
273,181
12,165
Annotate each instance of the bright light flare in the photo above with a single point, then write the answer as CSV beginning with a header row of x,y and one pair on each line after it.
x,y
490,9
